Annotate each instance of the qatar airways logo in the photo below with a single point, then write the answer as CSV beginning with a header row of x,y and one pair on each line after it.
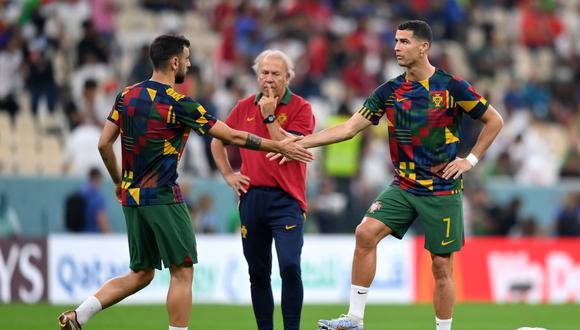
x,y
516,278
23,265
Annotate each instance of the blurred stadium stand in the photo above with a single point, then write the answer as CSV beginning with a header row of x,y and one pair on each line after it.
x,y
523,55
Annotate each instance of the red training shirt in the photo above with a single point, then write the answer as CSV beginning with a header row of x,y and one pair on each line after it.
x,y
295,116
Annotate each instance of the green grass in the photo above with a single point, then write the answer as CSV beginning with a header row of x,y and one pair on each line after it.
x,y
209,317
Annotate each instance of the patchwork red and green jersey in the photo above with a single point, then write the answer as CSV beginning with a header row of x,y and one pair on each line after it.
x,y
155,122
424,121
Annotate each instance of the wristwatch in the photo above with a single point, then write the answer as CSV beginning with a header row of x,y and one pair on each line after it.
x,y
269,119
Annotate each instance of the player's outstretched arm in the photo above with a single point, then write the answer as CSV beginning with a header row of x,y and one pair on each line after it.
x,y
288,147
338,133
493,123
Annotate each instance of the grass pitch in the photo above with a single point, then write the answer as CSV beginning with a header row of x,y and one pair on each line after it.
x,y
217,317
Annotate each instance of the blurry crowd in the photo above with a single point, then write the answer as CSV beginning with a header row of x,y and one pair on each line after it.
x,y
62,62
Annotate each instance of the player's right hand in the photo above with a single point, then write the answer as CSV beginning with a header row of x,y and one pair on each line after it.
x,y
293,151
275,155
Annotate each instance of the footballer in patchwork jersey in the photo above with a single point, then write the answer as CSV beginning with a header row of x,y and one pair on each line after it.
x,y
155,123
424,108
424,121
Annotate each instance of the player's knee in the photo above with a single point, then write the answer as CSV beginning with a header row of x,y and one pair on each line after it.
x,y
365,237
442,268
181,273
144,277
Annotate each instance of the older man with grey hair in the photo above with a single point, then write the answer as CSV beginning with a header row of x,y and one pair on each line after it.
x,y
272,196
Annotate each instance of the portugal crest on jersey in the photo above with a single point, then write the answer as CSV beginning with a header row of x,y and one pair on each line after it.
x,y
439,99
282,118
375,207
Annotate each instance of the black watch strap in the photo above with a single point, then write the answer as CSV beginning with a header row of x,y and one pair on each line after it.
x,y
269,119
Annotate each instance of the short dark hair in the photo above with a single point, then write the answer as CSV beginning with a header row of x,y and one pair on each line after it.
x,y
90,84
165,47
94,173
420,29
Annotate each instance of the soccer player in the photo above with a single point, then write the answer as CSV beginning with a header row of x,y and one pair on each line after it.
x,y
154,122
423,108
272,196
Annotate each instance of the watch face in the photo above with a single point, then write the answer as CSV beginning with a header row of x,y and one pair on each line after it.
x,y
270,119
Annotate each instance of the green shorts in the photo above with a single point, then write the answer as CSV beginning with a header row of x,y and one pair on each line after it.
x,y
440,216
160,232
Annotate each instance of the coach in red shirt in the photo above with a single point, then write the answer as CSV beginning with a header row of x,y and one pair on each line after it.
x,y
272,196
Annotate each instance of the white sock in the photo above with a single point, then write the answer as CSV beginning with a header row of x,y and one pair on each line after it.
x,y
358,301
87,309
177,328
442,324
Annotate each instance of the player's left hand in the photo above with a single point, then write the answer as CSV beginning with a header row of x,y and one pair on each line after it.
x,y
455,168
274,155
268,102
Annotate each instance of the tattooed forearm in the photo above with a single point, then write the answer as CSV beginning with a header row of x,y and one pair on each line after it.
x,y
253,142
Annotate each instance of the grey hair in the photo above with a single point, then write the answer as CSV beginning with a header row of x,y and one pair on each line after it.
x,y
276,53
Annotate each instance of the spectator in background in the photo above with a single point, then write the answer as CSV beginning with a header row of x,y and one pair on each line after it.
x,y
79,154
488,61
529,228
482,215
358,80
508,218
102,73
90,108
538,96
206,219
194,160
103,14
226,97
95,219
514,98
341,162
539,24
142,68
70,15
195,86
40,76
568,218
503,166
93,44
328,205
11,60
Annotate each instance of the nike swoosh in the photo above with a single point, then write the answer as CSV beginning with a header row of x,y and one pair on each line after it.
x,y
249,118
361,292
290,227
402,99
447,243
